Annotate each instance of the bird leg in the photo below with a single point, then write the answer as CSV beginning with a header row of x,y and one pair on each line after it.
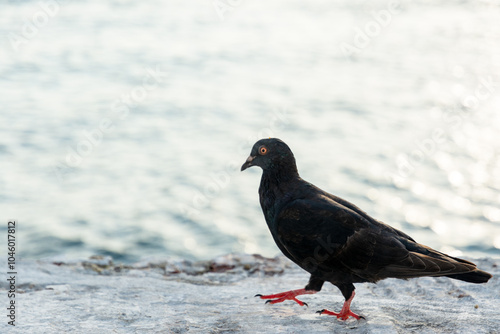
x,y
288,295
345,313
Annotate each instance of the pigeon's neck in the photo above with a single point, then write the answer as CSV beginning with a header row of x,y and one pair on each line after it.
x,y
281,174
276,187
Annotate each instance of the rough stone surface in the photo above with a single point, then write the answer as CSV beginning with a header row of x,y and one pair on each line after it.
x,y
177,296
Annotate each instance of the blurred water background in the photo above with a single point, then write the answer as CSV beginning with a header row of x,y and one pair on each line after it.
x,y
123,124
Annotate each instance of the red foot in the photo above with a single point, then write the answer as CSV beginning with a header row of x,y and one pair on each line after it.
x,y
345,313
341,315
288,295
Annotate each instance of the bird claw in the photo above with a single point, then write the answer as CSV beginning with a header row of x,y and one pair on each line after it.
x,y
288,295
345,313
342,315
282,299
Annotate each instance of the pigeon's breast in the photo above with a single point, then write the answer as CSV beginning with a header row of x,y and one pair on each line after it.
x,y
273,202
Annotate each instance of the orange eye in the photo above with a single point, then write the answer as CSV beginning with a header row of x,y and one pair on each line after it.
x,y
263,150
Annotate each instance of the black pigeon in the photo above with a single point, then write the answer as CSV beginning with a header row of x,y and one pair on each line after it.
x,y
334,240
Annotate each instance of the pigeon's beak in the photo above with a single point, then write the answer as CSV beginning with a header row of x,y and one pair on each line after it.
x,y
247,163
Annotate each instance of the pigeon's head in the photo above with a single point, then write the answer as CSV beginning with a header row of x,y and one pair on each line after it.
x,y
270,153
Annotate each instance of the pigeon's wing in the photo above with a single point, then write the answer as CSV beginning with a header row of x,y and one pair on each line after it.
x,y
360,212
420,261
326,236
315,233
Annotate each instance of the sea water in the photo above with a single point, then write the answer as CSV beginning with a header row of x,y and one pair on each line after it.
x,y
123,124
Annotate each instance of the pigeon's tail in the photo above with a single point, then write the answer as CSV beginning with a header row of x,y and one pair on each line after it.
x,y
435,264
475,276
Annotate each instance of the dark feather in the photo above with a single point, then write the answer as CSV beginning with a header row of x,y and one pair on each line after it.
x,y
333,239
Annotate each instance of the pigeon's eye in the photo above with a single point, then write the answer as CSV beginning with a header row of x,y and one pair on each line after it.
x,y
263,150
